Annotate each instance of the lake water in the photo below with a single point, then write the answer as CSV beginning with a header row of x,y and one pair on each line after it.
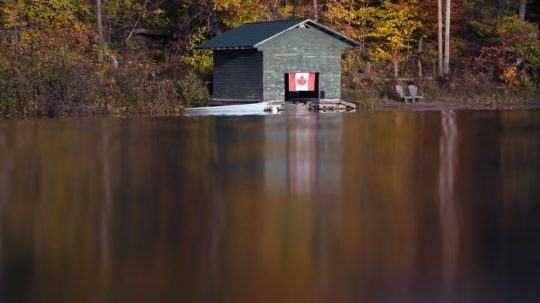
x,y
365,207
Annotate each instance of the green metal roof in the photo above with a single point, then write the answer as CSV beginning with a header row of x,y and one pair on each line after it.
x,y
250,35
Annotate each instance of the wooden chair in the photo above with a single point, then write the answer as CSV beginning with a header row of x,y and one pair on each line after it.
x,y
401,93
413,93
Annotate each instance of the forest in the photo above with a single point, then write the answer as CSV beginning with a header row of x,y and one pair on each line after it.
x,y
81,57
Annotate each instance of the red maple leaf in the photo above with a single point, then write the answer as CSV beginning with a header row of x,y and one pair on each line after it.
x,y
302,81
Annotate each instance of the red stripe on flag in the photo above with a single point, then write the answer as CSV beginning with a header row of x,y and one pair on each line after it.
x,y
311,84
292,82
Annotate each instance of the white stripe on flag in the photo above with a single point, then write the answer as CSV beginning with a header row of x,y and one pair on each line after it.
x,y
302,82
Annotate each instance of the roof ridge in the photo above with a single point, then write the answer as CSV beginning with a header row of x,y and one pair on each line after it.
x,y
299,20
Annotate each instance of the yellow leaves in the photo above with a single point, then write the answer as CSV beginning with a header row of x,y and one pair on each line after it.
x,y
234,13
389,29
47,28
200,60
354,18
49,13
9,15
286,11
45,14
394,28
237,12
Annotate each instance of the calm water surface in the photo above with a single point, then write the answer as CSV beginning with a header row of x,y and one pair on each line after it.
x,y
382,207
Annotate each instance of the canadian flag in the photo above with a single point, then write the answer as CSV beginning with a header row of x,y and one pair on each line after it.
x,y
301,82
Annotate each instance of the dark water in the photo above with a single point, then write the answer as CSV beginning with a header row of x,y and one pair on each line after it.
x,y
381,207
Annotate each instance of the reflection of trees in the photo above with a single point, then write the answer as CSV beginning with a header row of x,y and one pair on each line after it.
x,y
315,208
212,182
519,150
5,167
447,211
518,229
387,210
105,224
327,200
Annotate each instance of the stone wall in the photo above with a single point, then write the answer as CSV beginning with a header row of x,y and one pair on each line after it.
x,y
302,50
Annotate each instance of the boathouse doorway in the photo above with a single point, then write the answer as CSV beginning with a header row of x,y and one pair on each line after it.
x,y
302,87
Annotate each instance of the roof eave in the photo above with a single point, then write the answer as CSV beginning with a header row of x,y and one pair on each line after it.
x,y
324,28
352,42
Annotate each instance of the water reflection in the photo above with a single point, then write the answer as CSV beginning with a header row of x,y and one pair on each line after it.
x,y
383,207
449,225
303,177
5,169
105,232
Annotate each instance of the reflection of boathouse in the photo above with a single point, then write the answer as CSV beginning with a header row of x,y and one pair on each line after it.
x,y
277,61
298,161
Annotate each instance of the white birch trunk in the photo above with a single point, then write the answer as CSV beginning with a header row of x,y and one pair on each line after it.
x,y
99,25
522,9
440,37
447,37
419,58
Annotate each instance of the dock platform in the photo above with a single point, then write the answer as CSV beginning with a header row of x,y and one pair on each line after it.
x,y
273,107
312,105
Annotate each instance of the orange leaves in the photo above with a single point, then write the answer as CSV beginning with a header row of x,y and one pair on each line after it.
x,y
513,54
510,75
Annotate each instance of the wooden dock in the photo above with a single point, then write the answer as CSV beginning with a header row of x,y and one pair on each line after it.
x,y
332,106
312,105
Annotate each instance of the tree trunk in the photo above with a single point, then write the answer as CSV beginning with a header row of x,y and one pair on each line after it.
x,y
210,20
396,68
440,37
101,37
419,58
522,9
316,10
447,37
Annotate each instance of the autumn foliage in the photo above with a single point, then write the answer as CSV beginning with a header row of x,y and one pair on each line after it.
x,y
52,64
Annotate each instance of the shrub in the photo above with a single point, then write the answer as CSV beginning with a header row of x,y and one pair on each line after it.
x,y
193,90
515,55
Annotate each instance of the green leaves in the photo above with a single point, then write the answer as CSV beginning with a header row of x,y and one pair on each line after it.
x,y
520,38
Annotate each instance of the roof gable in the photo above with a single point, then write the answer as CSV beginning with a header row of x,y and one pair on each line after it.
x,y
252,35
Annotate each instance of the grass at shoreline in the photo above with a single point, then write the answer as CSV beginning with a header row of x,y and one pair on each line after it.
x,y
379,107
370,99
458,96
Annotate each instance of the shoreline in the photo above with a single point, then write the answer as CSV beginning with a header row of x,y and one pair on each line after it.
x,y
442,106
387,106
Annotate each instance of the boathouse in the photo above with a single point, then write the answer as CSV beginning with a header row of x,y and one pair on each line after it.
x,y
283,60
